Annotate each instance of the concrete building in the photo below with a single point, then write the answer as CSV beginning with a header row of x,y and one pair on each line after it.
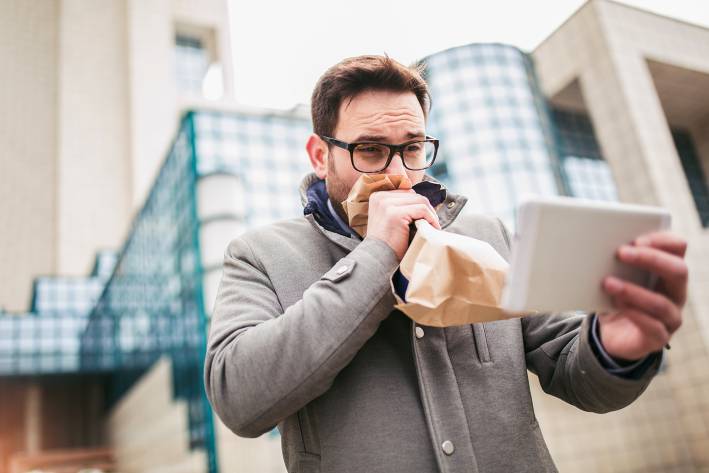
x,y
91,103
115,143
93,93
642,80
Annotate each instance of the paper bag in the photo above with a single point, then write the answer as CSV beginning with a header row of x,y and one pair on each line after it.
x,y
357,204
453,279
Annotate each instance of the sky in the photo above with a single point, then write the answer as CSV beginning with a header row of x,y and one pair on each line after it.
x,y
281,47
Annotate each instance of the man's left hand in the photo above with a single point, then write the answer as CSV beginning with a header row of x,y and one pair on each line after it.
x,y
645,319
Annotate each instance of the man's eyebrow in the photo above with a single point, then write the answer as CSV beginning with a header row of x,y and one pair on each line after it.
x,y
366,137
382,138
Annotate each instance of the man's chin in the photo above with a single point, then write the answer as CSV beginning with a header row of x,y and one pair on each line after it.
x,y
337,192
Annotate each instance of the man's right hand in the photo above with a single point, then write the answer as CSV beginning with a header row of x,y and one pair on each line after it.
x,y
391,213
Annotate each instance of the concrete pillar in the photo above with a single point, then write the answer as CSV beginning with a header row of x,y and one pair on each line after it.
x,y
33,417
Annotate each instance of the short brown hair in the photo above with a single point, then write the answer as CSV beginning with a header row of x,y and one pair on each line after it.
x,y
355,75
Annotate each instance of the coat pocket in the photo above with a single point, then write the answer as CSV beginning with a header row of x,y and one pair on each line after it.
x,y
481,347
307,463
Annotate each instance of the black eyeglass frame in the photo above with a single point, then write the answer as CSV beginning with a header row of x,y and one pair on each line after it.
x,y
393,149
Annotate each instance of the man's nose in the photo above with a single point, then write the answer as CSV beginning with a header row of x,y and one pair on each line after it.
x,y
396,166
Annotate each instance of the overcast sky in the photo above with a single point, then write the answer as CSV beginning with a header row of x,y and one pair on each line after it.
x,y
282,47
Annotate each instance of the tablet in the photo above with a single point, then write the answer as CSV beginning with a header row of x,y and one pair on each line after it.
x,y
564,247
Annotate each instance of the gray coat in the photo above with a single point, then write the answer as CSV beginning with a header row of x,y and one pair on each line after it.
x,y
304,336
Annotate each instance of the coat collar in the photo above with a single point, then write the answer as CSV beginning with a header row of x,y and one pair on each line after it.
x,y
447,210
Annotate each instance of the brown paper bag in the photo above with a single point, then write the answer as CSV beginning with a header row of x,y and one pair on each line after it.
x,y
453,279
357,204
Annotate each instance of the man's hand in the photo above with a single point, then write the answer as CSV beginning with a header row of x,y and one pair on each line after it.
x,y
391,212
646,319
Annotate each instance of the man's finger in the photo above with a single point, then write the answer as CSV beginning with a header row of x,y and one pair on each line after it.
x,y
408,199
393,192
379,198
404,199
397,198
671,269
417,212
665,241
631,296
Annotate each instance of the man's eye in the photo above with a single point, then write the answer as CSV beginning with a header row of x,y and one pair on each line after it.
x,y
371,151
414,147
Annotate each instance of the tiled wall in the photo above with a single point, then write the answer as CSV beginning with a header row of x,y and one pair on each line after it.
x,y
237,454
92,202
28,38
148,430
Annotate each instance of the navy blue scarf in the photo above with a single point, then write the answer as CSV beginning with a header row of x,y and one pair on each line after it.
x,y
317,205
317,198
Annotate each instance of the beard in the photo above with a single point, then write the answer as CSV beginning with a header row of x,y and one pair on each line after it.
x,y
336,190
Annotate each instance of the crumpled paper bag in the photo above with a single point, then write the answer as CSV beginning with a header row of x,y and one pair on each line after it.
x,y
356,205
453,279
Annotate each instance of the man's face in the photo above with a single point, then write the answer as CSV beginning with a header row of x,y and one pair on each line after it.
x,y
380,116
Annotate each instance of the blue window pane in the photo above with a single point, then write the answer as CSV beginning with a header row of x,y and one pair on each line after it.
x,y
191,64
585,173
493,126
696,177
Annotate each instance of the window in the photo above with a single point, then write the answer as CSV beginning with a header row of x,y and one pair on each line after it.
x,y
585,173
191,63
694,173
197,71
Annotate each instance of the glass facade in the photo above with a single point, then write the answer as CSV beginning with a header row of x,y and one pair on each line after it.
x,y
152,304
265,152
57,295
47,339
148,306
35,344
493,125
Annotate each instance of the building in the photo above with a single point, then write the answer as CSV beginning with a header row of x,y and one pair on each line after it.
x,y
613,105
641,80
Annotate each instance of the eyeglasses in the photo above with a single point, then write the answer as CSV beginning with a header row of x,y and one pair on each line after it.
x,y
369,157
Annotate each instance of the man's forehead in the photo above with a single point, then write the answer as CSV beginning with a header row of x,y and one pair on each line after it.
x,y
374,112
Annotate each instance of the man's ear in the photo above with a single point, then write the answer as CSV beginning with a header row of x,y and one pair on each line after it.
x,y
319,154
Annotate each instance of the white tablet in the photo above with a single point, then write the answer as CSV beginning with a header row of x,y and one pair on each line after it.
x,y
564,247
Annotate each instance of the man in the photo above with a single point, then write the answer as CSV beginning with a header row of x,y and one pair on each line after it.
x,y
304,335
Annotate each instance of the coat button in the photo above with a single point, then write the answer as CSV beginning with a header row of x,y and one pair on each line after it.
x,y
448,447
341,270
451,204
419,332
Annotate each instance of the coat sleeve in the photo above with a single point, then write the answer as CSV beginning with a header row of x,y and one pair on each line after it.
x,y
558,350
263,363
